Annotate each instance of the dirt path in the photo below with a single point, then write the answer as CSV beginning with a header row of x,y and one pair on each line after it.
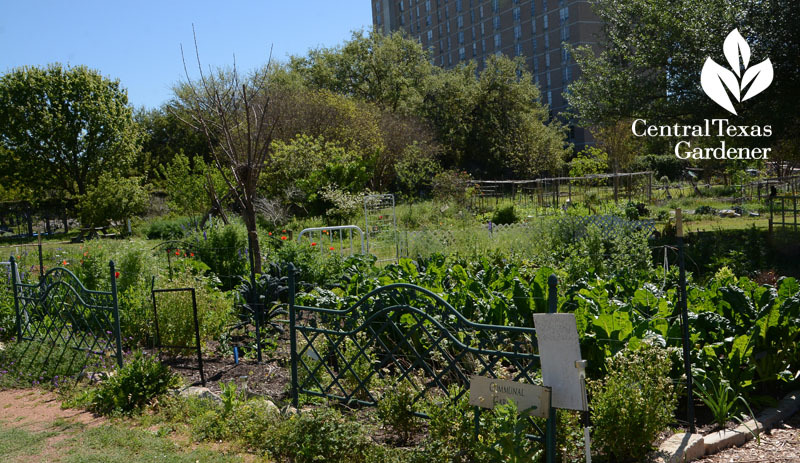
x,y
37,410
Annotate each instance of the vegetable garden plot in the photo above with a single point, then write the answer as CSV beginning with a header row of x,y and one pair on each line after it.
x,y
401,334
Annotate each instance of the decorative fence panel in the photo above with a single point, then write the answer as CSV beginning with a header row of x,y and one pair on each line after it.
x,y
402,333
61,311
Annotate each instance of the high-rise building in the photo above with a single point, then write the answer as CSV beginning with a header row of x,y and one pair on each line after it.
x,y
455,31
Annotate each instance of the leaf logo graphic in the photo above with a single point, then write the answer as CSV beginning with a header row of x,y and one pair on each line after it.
x,y
715,79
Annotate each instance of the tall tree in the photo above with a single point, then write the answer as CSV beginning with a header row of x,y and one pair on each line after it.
x,y
233,114
495,125
388,70
65,126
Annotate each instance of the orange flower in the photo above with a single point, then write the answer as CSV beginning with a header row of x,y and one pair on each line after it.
x,y
332,248
64,263
86,254
313,244
116,274
283,238
270,233
178,252
191,254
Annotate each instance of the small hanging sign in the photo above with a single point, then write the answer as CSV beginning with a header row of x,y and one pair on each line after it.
x,y
487,392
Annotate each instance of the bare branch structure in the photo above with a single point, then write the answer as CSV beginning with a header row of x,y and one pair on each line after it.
x,y
233,114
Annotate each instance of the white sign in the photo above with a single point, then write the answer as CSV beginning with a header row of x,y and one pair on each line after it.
x,y
487,392
560,354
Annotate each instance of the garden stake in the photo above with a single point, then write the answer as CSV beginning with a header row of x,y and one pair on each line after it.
x,y
687,364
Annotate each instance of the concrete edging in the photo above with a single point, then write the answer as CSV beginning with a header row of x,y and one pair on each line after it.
x,y
683,447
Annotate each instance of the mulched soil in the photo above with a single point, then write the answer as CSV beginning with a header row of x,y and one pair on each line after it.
x,y
270,378
778,445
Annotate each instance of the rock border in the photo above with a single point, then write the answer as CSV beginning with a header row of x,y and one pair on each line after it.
x,y
683,447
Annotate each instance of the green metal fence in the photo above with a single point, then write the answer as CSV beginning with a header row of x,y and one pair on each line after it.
x,y
404,333
59,310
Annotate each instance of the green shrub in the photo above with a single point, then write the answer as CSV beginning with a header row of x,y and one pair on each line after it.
x,y
112,199
321,434
133,386
224,249
168,228
633,404
505,215
396,410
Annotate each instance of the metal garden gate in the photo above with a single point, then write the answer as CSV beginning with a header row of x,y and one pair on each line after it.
x,y
405,333
61,311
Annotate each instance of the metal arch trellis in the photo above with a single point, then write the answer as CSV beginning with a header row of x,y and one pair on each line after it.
x,y
60,310
380,222
404,333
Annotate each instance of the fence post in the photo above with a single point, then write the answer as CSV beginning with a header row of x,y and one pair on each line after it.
x,y
197,339
687,364
550,430
117,330
293,337
14,284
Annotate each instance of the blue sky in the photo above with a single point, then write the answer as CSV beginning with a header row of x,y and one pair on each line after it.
x,y
138,42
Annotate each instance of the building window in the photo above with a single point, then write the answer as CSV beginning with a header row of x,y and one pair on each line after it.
x,y
378,7
472,16
516,14
447,26
480,11
448,43
566,75
548,80
400,5
483,45
495,6
564,55
439,15
533,9
483,31
533,25
535,65
428,5
458,5
460,21
546,40
460,37
544,19
549,98
449,59
440,30
497,41
565,33
473,34
428,21
544,5
518,49
474,49
517,32
563,14
547,60
496,22
462,54
430,34
534,44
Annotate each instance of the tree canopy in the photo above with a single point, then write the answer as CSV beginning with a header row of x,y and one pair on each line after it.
x,y
652,53
62,127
